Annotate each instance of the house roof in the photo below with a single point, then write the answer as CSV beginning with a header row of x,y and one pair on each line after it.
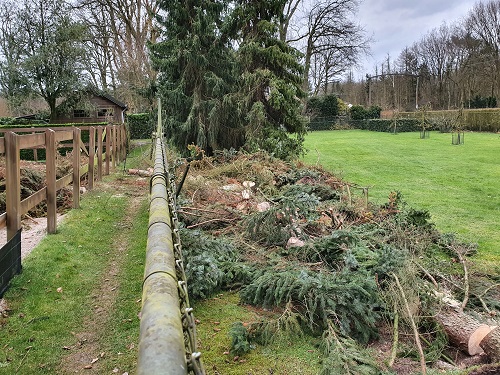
x,y
107,96
112,99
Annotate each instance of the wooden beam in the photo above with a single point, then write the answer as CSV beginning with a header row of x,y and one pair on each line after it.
x,y
91,157
76,167
108,149
113,146
13,184
64,181
31,140
83,148
84,170
64,135
99,152
50,167
34,199
2,146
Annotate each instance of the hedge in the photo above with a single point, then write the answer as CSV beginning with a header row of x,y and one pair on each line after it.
x,y
140,125
322,123
385,125
481,120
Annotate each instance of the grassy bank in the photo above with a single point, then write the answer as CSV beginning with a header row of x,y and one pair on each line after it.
x,y
459,185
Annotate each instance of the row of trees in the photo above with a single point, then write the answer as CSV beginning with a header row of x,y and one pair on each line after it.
x,y
452,66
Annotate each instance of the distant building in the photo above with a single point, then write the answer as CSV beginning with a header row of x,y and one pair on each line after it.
x,y
92,106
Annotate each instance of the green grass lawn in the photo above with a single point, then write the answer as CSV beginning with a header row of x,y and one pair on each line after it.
x,y
459,185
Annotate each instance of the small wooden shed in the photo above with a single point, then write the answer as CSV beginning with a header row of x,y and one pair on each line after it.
x,y
94,106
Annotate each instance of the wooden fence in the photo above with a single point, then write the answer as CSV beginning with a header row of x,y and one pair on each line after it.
x,y
105,149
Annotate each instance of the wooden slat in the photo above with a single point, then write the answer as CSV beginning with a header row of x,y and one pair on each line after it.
x,y
77,136
84,169
13,184
91,158
99,153
108,150
2,146
34,199
31,140
50,175
3,220
64,135
64,181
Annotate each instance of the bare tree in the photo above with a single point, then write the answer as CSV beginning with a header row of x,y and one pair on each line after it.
x,y
483,23
12,84
328,37
121,30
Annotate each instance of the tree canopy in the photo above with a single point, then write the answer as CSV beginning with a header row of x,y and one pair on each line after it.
x,y
44,51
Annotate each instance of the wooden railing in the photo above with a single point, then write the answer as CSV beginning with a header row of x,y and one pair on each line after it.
x,y
105,149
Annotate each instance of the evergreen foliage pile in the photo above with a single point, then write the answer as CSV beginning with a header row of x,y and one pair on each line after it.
x,y
337,283
349,299
213,260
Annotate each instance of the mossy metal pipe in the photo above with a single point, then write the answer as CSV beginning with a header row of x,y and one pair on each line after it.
x,y
161,338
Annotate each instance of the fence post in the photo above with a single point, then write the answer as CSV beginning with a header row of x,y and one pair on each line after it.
x,y
113,146
76,167
124,142
99,153
50,167
116,149
91,156
108,149
13,187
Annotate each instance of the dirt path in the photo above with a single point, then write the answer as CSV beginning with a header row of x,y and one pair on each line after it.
x,y
88,353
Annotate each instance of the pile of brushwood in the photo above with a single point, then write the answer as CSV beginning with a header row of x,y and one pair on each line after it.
x,y
376,284
32,179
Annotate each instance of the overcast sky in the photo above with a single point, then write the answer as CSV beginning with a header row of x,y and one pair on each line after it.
x,y
395,24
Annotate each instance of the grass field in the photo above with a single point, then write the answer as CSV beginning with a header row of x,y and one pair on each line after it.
x,y
459,185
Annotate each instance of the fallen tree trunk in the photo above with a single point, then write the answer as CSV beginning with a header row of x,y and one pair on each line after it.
x,y
468,334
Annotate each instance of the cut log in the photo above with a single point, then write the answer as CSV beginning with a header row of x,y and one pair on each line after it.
x,y
458,327
491,344
468,334
477,336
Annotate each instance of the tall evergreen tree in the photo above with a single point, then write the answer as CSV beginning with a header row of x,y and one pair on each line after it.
x,y
271,76
195,64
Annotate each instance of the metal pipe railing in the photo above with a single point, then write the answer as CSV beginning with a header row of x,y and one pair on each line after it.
x,y
161,338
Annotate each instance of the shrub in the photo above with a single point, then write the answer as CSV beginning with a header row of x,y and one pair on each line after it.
x,y
359,112
140,125
387,125
323,111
